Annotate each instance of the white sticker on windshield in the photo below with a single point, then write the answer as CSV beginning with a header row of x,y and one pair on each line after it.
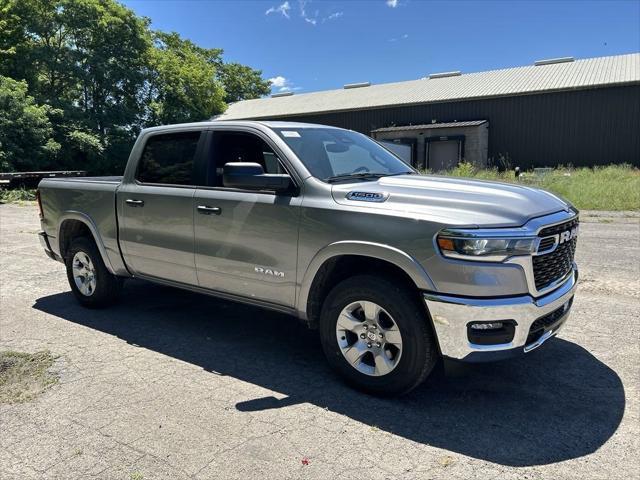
x,y
290,134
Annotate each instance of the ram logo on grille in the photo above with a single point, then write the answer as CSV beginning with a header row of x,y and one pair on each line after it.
x,y
568,235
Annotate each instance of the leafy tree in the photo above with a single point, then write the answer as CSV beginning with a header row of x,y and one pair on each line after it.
x,y
183,86
242,82
25,130
105,74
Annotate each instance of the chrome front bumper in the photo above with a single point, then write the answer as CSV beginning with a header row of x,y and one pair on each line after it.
x,y
451,316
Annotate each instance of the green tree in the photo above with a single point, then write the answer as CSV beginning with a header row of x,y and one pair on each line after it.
x,y
242,82
26,140
107,75
183,84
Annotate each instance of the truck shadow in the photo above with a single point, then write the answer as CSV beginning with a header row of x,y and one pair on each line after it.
x,y
555,404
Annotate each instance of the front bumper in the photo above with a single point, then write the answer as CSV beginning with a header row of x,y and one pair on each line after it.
x,y
451,316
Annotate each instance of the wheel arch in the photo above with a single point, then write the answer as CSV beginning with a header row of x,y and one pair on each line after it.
x,y
322,270
77,224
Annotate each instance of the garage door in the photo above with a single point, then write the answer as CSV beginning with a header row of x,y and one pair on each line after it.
x,y
444,155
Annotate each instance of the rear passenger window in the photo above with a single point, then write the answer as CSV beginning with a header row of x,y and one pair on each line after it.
x,y
169,159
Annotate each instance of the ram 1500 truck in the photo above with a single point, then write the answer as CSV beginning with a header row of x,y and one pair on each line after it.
x,y
395,269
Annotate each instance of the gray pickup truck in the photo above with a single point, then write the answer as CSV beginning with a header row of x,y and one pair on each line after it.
x,y
395,269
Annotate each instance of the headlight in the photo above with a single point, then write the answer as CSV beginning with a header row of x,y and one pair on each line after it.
x,y
485,249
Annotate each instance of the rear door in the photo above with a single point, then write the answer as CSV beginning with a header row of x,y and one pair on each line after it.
x,y
246,241
156,222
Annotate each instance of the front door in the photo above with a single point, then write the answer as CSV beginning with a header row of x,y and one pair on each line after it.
x,y
156,230
246,242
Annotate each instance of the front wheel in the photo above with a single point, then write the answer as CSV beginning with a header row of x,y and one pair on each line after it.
x,y
376,335
90,281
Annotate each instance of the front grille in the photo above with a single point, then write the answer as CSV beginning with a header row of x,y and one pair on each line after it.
x,y
543,324
550,267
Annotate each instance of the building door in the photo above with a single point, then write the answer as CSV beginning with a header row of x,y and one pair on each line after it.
x,y
443,154
403,150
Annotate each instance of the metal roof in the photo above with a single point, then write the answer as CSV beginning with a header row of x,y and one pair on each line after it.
x,y
429,126
578,74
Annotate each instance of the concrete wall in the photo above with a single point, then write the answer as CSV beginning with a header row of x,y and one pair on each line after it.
x,y
476,141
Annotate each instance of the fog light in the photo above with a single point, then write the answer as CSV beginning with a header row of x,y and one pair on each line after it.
x,y
491,332
487,326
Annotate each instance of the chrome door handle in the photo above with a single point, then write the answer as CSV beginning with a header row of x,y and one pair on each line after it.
x,y
134,203
205,210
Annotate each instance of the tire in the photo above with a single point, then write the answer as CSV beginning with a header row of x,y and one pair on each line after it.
x,y
99,288
385,369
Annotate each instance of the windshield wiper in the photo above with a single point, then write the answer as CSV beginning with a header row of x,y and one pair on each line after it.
x,y
350,176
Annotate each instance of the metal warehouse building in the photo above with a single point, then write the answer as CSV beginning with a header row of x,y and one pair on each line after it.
x,y
555,112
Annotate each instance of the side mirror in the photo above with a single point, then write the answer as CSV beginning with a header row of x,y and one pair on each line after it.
x,y
251,176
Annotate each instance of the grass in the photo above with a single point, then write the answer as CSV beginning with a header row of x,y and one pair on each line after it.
x,y
19,195
23,376
615,187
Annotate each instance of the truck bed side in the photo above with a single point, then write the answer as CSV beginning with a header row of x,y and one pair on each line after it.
x,y
89,200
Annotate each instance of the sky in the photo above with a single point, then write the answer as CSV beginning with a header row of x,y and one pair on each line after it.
x,y
315,45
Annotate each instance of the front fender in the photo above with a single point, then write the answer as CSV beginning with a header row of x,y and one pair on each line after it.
x,y
366,249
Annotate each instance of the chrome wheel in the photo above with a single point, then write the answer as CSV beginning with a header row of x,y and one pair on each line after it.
x,y
369,338
84,273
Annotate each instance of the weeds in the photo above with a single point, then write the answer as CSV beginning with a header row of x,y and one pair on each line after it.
x,y
23,376
614,187
18,195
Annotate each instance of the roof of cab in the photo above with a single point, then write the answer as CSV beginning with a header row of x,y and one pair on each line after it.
x,y
237,123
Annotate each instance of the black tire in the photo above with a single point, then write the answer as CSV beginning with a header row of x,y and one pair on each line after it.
x,y
107,285
419,350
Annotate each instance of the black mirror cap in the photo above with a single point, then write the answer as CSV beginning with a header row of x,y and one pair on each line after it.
x,y
251,176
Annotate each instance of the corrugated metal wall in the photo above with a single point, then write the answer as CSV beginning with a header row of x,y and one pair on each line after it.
x,y
582,128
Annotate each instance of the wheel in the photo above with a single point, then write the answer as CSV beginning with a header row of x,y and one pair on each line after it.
x,y
90,281
376,335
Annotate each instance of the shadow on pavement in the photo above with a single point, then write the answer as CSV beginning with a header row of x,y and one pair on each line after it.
x,y
555,404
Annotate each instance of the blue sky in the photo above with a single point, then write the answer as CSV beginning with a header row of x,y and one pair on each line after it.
x,y
317,45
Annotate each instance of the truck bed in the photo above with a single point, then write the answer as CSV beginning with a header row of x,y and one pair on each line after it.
x,y
88,199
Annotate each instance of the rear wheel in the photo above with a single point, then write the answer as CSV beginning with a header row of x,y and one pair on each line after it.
x,y
91,283
375,334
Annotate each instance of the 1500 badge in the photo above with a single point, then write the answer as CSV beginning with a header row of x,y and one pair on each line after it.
x,y
367,196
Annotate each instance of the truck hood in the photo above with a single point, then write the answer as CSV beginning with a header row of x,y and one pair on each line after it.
x,y
455,201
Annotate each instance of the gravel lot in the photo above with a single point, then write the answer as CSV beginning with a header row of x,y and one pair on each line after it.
x,y
170,384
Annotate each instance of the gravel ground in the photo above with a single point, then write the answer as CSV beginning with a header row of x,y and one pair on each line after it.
x,y
170,384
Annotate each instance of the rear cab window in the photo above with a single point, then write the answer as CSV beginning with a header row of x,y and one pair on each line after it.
x,y
168,159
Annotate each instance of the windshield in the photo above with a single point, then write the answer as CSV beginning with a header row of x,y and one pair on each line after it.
x,y
332,154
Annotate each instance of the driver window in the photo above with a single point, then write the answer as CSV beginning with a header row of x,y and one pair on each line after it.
x,y
230,147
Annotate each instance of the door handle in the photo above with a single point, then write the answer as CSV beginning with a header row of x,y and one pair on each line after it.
x,y
205,210
134,203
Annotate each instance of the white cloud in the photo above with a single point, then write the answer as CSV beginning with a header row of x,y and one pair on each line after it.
x,y
403,37
333,16
282,9
392,3
279,81
303,13
283,84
